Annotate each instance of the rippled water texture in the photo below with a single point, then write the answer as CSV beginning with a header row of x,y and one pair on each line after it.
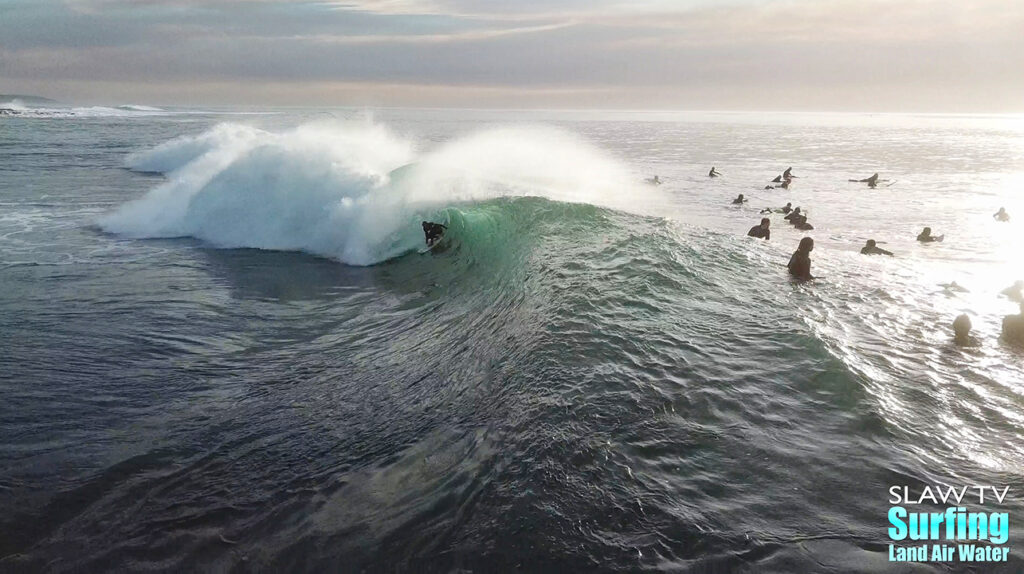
x,y
590,375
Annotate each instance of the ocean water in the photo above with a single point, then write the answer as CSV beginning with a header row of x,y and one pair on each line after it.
x,y
221,350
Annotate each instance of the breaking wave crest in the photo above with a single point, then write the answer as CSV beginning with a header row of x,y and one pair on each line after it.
x,y
355,191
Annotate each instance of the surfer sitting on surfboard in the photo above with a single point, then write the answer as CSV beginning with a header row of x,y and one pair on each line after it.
x,y
433,232
927,237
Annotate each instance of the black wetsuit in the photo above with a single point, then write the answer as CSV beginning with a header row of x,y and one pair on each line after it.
x,y
1013,329
800,265
433,232
760,232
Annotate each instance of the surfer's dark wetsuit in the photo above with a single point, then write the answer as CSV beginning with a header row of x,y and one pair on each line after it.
x,y
927,237
801,223
433,232
871,248
761,231
1013,328
800,263
962,331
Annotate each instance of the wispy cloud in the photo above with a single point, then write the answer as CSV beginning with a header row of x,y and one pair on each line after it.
x,y
390,7
695,52
467,36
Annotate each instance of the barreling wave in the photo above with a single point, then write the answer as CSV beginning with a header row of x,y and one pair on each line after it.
x,y
356,192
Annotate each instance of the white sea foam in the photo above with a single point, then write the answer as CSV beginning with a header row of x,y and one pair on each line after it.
x,y
138,108
353,191
21,109
181,151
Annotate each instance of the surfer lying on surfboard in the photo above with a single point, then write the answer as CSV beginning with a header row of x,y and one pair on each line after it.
x,y
433,232
871,181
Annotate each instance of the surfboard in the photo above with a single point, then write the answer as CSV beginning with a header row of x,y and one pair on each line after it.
x,y
432,246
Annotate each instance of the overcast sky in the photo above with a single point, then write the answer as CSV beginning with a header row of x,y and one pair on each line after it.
x,y
868,55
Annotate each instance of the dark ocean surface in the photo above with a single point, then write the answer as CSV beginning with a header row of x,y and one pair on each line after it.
x,y
221,349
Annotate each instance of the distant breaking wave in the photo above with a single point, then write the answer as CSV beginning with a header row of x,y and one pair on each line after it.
x,y
134,108
354,191
20,109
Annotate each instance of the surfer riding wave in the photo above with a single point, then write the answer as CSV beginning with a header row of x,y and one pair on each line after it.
x,y
352,191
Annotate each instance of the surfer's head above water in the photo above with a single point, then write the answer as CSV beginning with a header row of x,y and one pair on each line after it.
x,y
800,263
761,231
872,248
1013,328
1014,292
927,237
801,223
962,329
